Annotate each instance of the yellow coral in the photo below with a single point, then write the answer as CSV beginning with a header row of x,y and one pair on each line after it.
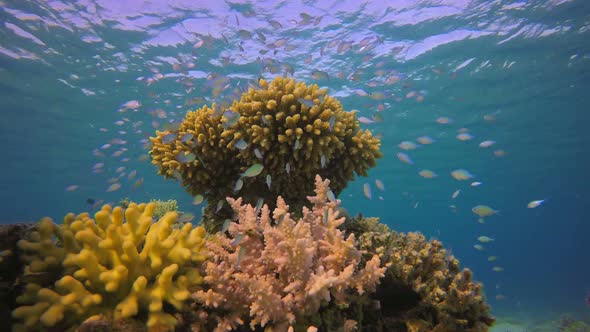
x,y
294,130
116,265
426,268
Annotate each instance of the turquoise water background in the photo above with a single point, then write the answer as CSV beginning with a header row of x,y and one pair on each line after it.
x,y
67,67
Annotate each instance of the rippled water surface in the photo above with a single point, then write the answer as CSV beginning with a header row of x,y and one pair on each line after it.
x,y
84,83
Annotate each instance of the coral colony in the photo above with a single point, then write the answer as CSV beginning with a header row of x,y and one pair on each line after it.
x,y
274,252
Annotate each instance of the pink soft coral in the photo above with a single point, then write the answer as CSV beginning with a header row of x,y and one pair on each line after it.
x,y
274,271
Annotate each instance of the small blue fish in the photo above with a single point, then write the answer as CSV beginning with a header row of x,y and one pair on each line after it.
x,y
259,205
323,161
138,183
241,253
201,160
331,196
380,184
265,120
367,190
168,138
198,200
253,170
288,168
241,144
365,120
239,185
268,181
319,75
237,239
219,205
186,158
464,136
72,187
404,158
186,137
186,217
306,102
331,122
118,141
114,187
231,118
225,225
534,204
257,153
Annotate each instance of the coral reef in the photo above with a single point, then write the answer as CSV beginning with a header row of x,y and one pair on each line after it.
x,y
266,271
567,323
278,273
119,265
10,266
293,130
423,288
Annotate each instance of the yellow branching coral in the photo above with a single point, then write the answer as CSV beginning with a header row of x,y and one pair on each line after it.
x,y
293,130
196,154
450,294
274,271
119,265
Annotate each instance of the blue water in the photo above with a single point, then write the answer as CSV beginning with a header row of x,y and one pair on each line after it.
x,y
67,67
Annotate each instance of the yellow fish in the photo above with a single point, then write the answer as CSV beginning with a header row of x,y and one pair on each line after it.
x,y
380,184
464,136
367,190
461,174
427,174
484,239
484,211
534,204
444,120
404,158
253,170
425,140
198,199
499,153
407,145
114,187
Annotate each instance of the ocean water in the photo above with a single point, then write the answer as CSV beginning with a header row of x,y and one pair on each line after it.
x,y
515,72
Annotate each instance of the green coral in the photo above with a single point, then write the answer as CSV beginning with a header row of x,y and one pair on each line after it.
x,y
163,207
119,265
294,130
